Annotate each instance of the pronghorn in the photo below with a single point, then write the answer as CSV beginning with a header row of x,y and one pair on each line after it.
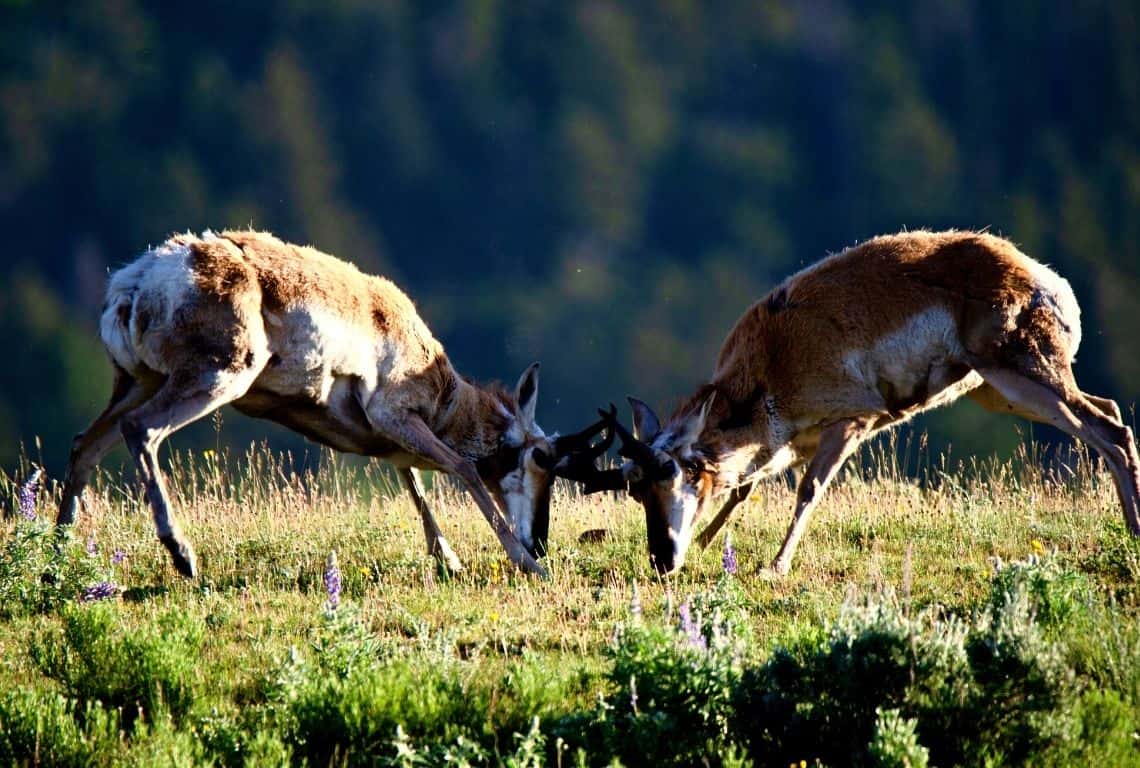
x,y
293,335
854,344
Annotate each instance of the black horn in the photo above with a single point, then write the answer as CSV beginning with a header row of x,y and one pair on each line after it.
x,y
580,441
575,457
575,449
631,448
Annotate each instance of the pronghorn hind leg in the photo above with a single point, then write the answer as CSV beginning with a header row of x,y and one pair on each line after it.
x,y
735,497
91,445
182,399
410,432
436,543
992,400
836,443
1107,406
1061,403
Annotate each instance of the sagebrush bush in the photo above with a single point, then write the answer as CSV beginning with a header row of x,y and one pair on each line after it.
x,y
1021,699
994,687
44,727
819,697
895,743
43,567
351,700
144,673
672,680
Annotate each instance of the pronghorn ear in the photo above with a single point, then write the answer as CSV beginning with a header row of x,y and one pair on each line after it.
x,y
645,422
526,396
691,427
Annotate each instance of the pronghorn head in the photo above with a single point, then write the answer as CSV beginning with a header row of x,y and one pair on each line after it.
x,y
521,470
667,471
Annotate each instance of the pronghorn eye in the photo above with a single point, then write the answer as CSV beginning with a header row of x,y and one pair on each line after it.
x,y
691,469
666,470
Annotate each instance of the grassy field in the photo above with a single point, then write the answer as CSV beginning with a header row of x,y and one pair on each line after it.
x,y
984,616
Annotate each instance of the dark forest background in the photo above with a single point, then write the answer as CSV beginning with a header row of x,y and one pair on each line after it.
x,y
601,186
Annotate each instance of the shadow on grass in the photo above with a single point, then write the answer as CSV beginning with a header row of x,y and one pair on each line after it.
x,y
143,594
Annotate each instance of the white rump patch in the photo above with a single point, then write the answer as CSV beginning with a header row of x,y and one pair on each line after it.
x,y
161,278
1060,294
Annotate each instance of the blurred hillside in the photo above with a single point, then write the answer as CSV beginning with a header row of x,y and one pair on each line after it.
x,y
601,186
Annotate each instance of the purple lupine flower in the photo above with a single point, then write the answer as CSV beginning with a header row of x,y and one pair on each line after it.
x,y
104,590
27,495
332,580
92,547
729,560
691,628
118,557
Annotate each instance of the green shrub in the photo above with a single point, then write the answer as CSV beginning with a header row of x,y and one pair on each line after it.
x,y
43,567
672,683
993,688
895,744
1059,597
353,701
1108,732
143,671
46,728
819,696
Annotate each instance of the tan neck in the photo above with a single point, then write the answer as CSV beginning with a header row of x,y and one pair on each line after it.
x,y
735,437
473,421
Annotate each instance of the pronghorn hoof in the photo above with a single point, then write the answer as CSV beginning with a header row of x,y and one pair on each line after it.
x,y
445,556
535,568
449,567
773,572
182,555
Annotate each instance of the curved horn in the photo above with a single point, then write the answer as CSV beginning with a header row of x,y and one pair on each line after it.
x,y
631,447
575,457
604,480
576,452
580,441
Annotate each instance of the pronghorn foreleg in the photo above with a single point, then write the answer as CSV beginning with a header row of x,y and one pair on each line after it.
x,y
779,462
436,543
735,497
92,444
836,443
182,399
410,432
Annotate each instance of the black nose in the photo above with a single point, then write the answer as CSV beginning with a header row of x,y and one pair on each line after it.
x,y
661,551
540,528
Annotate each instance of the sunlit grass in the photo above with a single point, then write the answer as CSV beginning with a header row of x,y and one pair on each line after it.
x,y
263,533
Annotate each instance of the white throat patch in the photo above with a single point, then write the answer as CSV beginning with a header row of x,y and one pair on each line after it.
x,y
682,514
519,490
